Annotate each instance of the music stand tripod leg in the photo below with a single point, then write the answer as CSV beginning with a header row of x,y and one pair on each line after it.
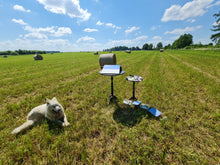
x,y
133,96
112,97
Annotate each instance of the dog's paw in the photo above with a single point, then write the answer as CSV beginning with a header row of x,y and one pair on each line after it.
x,y
66,124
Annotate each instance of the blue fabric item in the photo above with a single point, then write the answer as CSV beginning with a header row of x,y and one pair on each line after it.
x,y
136,103
155,112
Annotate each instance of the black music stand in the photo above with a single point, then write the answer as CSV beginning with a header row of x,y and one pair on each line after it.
x,y
134,79
111,70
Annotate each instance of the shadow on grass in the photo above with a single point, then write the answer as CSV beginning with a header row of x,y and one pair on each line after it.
x,y
53,127
130,116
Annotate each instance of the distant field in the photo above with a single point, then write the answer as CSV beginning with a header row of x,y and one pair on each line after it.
x,y
183,85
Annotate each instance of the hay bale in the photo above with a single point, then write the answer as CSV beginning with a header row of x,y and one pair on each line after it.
x,y
38,57
128,51
107,59
5,56
96,53
161,50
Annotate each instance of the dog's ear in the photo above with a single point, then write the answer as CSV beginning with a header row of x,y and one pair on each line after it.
x,y
54,99
48,101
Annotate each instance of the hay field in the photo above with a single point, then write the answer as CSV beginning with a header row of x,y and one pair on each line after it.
x,y
183,85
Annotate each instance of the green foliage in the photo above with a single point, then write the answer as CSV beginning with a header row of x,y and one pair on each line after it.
x,y
145,46
120,48
182,84
135,48
151,47
183,41
216,28
159,46
168,46
21,52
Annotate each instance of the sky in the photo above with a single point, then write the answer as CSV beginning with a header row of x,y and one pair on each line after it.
x,y
94,25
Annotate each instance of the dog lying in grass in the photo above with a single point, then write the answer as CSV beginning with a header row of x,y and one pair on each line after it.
x,y
52,110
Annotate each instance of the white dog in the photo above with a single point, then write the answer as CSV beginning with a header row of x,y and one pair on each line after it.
x,y
52,110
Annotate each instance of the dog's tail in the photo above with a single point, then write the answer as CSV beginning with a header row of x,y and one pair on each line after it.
x,y
23,127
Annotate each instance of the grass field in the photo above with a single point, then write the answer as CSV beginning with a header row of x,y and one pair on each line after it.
x,y
183,85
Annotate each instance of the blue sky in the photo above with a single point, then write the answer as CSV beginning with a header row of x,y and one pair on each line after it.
x,y
89,25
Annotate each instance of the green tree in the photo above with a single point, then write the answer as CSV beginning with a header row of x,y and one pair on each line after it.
x,y
159,45
137,48
216,37
183,41
150,47
145,46
133,48
167,46
14,53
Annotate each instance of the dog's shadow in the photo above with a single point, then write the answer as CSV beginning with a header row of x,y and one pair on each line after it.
x,y
130,116
53,127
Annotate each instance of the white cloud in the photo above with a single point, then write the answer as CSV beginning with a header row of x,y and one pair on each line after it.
x,y
112,26
37,36
90,30
51,31
190,9
88,46
141,38
62,31
38,39
153,28
191,20
157,38
40,30
215,4
133,42
39,44
20,8
130,30
32,42
182,31
85,39
43,33
99,23
19,21
67,7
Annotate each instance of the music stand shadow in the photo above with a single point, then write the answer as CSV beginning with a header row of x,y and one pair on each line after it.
x,y
129,116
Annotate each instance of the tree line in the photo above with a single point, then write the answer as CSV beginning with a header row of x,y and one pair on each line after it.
x,y
21,52
184,41
120,48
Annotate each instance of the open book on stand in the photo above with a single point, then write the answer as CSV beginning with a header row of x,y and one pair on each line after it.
x,y
111,69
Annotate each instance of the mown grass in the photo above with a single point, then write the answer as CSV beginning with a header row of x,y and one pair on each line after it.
x,y
183,85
